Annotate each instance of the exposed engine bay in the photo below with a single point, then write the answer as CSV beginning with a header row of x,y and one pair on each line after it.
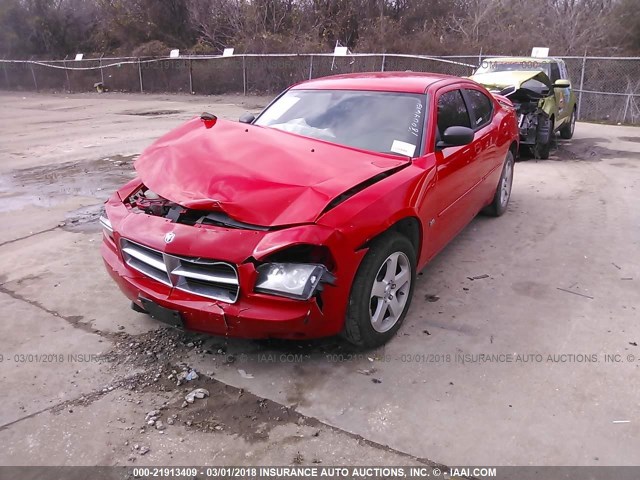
x,y
533,122
146,201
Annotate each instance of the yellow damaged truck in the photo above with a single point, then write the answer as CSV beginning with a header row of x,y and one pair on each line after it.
x,y
541,92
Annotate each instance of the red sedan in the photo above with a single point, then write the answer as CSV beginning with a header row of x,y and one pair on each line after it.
x,y
312,219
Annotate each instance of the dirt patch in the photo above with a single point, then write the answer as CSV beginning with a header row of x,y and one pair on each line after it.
x,y
50,184
156,362
153,113
590,150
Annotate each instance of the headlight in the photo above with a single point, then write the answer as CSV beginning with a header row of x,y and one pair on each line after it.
x,y
107,229
293,280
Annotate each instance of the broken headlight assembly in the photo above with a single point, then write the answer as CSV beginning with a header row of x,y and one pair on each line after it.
x,y
105,223
292,280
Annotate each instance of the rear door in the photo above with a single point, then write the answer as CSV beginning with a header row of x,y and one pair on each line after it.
x,y
561,94
485,150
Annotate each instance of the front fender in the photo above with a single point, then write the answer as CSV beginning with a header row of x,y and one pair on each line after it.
x,y
373,210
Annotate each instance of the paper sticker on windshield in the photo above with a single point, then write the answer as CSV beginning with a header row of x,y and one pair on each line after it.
x,y
403,148
279,108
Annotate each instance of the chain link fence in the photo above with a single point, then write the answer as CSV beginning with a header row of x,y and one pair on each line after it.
x,y
608,88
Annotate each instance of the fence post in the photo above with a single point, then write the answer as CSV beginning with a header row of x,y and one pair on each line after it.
x,y
33,74
584,63
6,74
384,58
101,72
626,108
244,76
66,72
311,67
190,78
480,58
140,76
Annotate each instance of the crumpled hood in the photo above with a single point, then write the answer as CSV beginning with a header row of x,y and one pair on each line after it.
x,y
255,175
504,79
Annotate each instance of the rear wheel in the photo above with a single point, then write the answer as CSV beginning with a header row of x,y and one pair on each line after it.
x,y
381,292
503,192
566,131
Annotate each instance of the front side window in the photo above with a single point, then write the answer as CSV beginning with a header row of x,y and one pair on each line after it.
x,y
384,122
480,107
555,72
452,111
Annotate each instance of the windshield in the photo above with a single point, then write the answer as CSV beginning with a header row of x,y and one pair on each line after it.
x,y
489,66
376,121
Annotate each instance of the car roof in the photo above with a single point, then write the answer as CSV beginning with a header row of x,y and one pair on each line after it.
x,y
405,82
523,59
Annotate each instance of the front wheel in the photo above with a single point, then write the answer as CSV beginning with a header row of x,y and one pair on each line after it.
x,y
544,137
381,292
566,131
503,191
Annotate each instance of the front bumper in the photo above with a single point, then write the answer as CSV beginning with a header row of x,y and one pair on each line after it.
x,y
254,315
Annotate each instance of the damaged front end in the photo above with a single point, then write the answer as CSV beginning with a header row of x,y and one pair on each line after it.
x,y
222,275
528,99
528,91
149,202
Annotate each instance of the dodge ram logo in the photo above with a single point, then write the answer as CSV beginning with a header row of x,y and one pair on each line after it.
x,y
168,238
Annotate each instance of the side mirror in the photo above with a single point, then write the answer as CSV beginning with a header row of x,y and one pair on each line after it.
x,y
247,118
562,83
456,137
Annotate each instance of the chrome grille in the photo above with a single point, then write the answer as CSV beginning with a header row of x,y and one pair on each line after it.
x,y
207,278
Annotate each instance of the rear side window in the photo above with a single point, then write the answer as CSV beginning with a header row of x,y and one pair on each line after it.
x,y
563,70
480,107
452,111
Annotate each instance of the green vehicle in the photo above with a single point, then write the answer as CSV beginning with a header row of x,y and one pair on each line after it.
x,y
541,92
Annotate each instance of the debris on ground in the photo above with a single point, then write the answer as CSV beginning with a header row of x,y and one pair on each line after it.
x,y
575,293
367,372
621,421
376,380
143,450
152,417
244,374
187,375
431,298
619,268
479,277
426,331
197,393
634,344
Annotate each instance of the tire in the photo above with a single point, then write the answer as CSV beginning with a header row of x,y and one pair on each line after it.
x,y
544,138
566,131
371,320
501,198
